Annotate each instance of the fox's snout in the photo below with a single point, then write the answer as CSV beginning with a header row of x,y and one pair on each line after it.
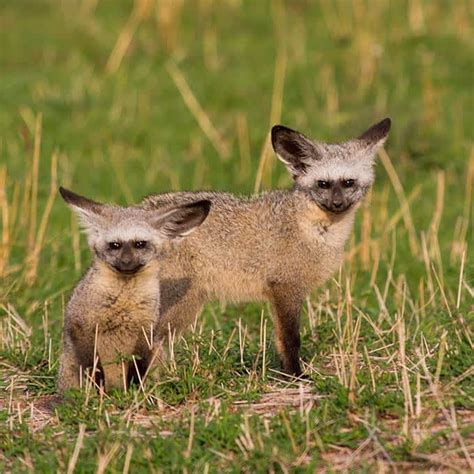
x,y
127,261
128,267
336,201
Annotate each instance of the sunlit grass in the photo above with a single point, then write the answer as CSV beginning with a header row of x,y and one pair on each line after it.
x,y
120,99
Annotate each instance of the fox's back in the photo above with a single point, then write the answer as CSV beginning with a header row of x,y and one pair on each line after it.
x,y
238,231
245,244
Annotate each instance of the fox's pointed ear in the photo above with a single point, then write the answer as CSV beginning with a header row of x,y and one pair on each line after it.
x,y
89,211
376,135
294,149
181,221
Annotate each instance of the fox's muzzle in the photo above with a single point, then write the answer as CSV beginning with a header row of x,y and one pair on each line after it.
x,y
128,267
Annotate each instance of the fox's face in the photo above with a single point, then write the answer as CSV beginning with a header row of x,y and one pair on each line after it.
x,y
127,245
335,176
128,239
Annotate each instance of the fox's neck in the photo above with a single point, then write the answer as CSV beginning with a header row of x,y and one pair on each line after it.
x,y
321,225
143,281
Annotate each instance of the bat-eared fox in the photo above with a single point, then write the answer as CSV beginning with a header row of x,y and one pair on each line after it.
x,y
276,246
111,316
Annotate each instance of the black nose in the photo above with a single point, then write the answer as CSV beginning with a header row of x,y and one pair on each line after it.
x,y
128,266
337,204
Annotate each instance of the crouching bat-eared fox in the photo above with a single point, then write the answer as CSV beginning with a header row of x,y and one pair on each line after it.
x,y
111,316
276,246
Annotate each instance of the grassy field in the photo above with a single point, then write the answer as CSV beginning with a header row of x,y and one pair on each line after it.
x,y
119,99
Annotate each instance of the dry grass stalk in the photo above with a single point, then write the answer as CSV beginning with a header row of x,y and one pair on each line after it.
x,y
5,234
449,418
33,257
397,186
244,147
354,361
459,243
405,207
461,274
88,6
264,165
103,459
427,262
366,231
116,160
416,16
77,449
440,192
469,187
128,458
34,183
167,17
141,10
14,331
198,112
76,242
409,409
189,447
329,88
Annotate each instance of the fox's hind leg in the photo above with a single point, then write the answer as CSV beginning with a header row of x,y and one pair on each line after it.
x,y
286,307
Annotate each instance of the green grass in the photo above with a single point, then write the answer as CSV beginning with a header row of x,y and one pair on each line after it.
x,y
387,343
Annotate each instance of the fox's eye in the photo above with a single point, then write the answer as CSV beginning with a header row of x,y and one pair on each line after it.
x,y
324,184
348,183
114,245
140,244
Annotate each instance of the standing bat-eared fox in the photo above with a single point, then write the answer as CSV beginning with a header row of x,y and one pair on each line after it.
x,y
114,309
276,246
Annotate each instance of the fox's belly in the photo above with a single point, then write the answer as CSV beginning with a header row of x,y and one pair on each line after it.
x,y
218,280
248,279
238,286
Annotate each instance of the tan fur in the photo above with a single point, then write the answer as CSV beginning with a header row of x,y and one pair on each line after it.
x,y
274,247
115,315
111,316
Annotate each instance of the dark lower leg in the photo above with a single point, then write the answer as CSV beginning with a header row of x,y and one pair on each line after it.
x,y
286,317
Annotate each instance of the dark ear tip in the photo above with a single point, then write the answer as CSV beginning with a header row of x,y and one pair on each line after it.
x,y
378,131
80,201
385,124
276,129
280,128
65,193
277,132
204,205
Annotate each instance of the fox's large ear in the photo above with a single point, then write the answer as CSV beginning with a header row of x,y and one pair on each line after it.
x,y
89,212
294,149
374,137
182,220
